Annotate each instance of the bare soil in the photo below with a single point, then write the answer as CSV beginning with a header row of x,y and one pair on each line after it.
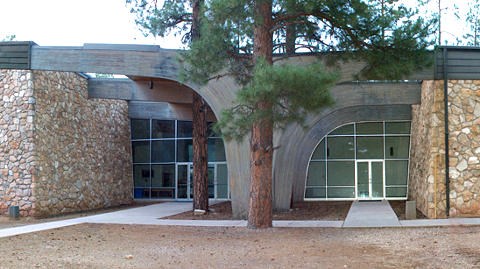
x,y
132,246
300,211
142,246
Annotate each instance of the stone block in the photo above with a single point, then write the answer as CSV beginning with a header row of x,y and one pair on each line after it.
x,y
410,210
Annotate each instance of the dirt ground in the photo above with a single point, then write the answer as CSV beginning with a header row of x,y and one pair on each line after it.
x,y
132,246
300,211
140,246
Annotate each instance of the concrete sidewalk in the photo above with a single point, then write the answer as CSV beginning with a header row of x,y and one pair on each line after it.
x,y
151,214
371,214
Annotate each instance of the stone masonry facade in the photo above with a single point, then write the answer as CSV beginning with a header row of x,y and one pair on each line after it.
x,y
427,156
427,159
17,160
61,152
464,143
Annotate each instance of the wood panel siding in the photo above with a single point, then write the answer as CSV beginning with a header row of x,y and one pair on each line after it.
x,y
154,62
130,60
458,62
153,90
15,55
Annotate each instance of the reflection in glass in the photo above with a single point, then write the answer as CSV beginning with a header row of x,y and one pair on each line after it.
x,y
377,179
163,175
182,177
341,173
319,153
141,181
401,127
184,150
141,176
222,181
141,151
211,179
216,150
341,192
317,174
163,151
396,172
184,129
370,128
340,148
363,186
396,192
344,130
369,147
140,129
396,147
163,129
316,192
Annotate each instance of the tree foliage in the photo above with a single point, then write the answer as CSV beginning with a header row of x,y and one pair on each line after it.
x,y
239,38
472,37
160,19
391,38
293,90
9,38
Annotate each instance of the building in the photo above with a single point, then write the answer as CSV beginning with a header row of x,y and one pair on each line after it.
x,y
71,142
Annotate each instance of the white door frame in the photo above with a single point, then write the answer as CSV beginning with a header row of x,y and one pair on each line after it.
x,y
369,162
188,165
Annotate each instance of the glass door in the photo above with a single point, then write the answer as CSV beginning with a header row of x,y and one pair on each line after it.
x,y
217,181
184,181
370,179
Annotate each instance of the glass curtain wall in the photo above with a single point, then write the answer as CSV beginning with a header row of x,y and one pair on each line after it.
x,y
365,160
162,154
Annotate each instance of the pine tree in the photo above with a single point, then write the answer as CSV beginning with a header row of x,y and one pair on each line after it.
x,y
472,37
240,38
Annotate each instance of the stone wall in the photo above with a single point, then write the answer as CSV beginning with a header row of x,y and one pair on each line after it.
x,y
427,154
464,143
17,160
59,151
82,147
427,159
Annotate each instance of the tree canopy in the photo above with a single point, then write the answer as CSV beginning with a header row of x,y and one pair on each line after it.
x,y
390,37
243,39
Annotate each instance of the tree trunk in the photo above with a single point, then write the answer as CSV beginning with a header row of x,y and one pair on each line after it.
x,y
261,141
291,30
199,111
200,158
195,28
290,38
261,156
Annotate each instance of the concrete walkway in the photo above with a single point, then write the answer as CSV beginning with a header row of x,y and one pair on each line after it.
x,y
371,214
361,214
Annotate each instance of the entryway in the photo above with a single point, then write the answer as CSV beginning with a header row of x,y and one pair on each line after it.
x,y
370,179
217,181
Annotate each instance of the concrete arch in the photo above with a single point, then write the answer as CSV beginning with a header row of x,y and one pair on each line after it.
x,y
289,160
146,62
354,102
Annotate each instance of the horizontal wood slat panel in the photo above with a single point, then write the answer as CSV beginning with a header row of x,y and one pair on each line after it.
x,y
15,55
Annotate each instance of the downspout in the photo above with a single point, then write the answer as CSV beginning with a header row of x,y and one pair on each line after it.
x,y
447,157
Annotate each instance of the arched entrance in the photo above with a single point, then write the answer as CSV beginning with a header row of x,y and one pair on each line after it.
x,y
361,161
